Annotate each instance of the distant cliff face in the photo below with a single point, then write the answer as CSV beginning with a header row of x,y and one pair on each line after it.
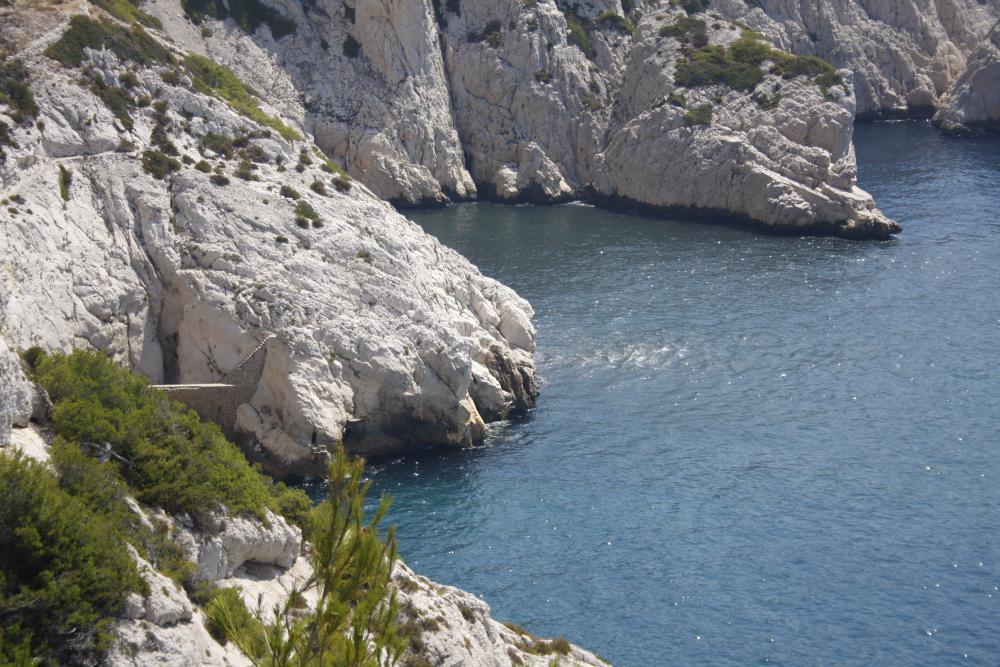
x,y
429,102
973,101
903,54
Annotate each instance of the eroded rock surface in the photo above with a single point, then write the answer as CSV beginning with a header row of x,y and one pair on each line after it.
x,y
973,102
376,323
424,103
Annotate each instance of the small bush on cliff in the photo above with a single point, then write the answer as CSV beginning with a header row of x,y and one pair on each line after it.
x,y
355,618
578,35
739,66
168,457
128,44
64,573
210,78
699,115
15,91
65,180
158,164
687,31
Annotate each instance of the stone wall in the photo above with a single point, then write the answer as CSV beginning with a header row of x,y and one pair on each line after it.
x,y
213,402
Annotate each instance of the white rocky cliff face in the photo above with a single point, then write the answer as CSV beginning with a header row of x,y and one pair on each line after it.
x,y
180,265
902,54
777,153
973,102
427,102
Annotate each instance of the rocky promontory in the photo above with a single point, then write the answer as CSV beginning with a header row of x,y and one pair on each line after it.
x,y
156,210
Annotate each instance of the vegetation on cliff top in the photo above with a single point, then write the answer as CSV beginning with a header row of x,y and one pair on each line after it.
x,y
64,565
133,43
136,45
740,66
166,455
64,573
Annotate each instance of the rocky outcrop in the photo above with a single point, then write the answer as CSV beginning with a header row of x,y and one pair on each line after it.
x,y
230,542
456,628
431,102
777,153
16,394
368,80
181,274
973,102
902,54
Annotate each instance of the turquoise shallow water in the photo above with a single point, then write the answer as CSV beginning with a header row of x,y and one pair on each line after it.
x,y
748,449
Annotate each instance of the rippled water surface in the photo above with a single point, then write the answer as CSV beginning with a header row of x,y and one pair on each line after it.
x,y
748,449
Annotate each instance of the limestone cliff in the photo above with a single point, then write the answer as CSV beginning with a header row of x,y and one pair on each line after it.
x,y
973,102
436,101
143,215
903,55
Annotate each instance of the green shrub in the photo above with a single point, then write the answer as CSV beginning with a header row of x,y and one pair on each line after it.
x,y
251,14
610,19
304,212
342,182
354,622
281,238
319,187
219,144
715,65
203,166
129,12
64,574
687,31
219,180
331,167
765,101
159,164
115,99
289,192
352,48
15,91
578,34
210,78
739,66
542,76
677,100
163,451
134,44
228,617
65,181
699,115
244,170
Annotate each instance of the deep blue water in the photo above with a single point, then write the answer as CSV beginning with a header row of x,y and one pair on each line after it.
x,y
748,449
